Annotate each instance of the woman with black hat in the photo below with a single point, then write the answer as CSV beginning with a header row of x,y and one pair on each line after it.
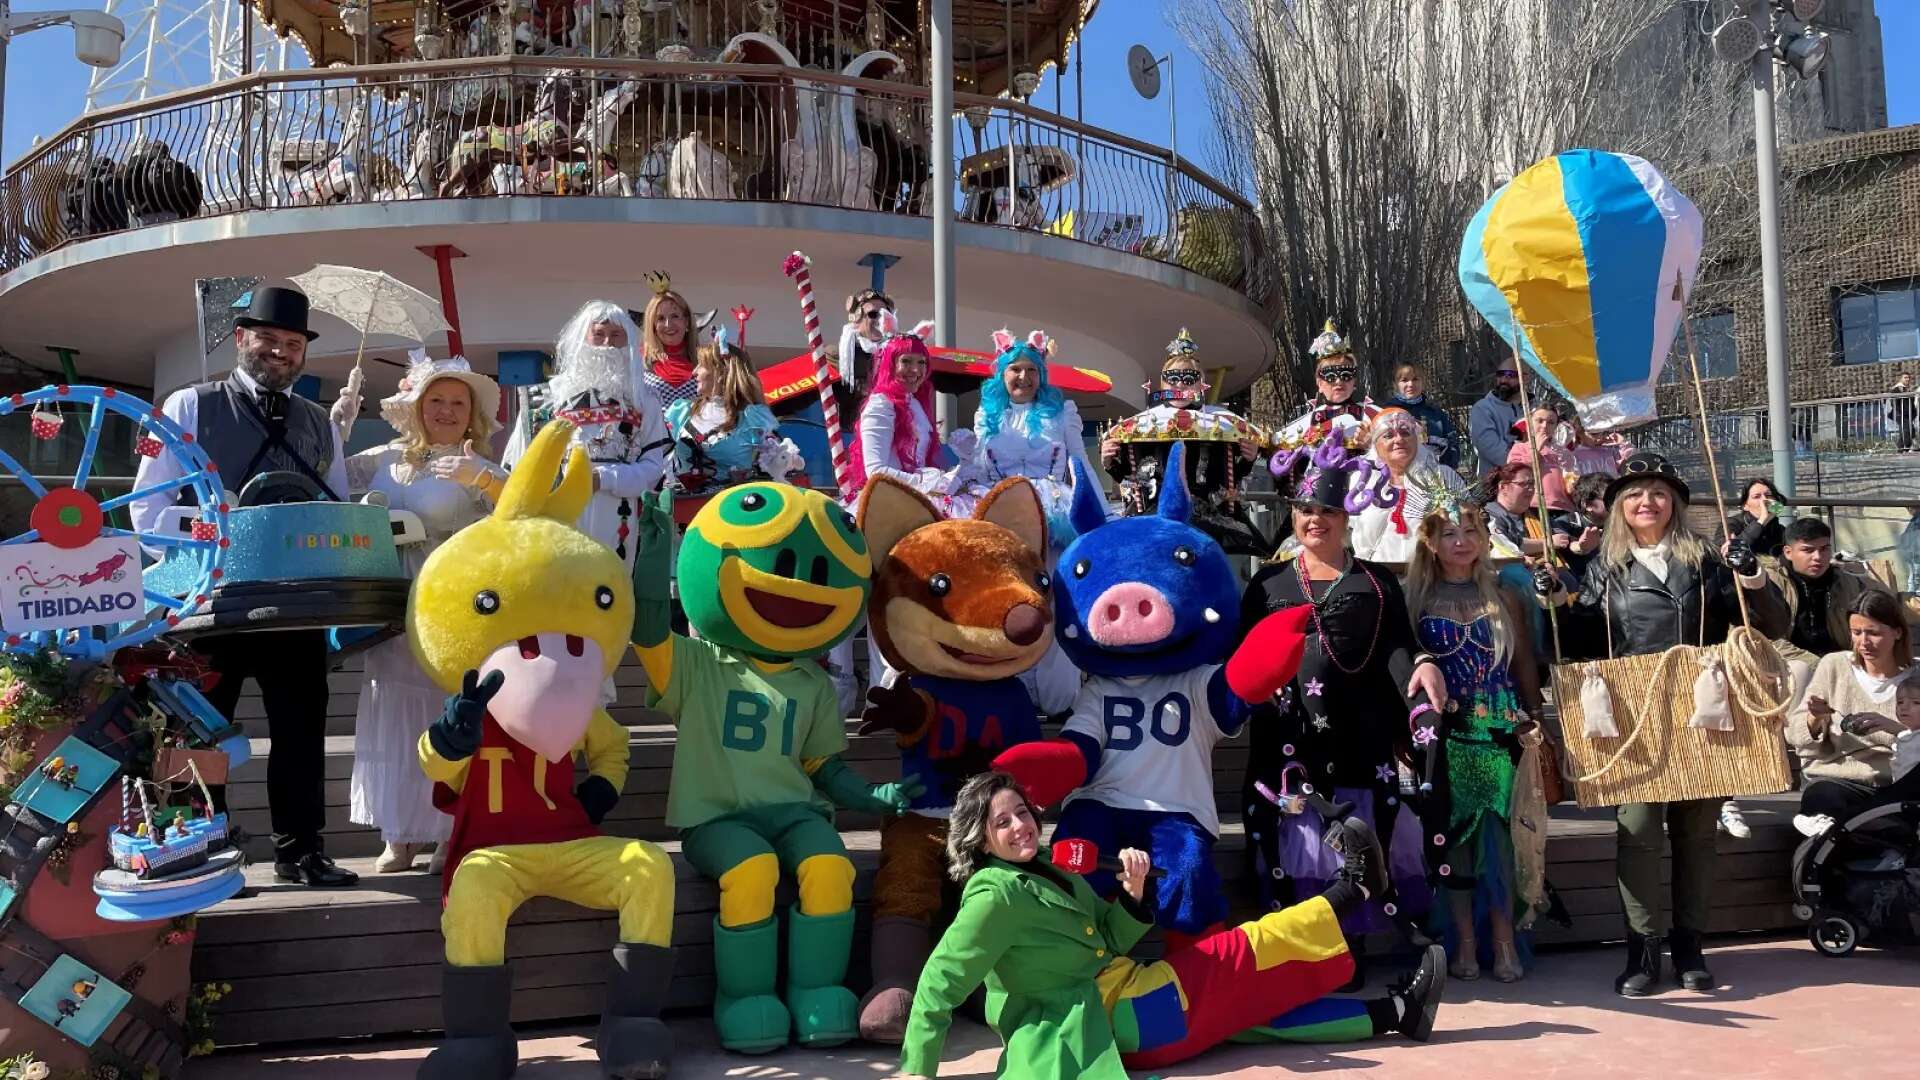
x,y
1656,584
1333,739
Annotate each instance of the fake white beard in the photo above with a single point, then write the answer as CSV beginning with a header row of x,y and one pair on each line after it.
x,y
603,368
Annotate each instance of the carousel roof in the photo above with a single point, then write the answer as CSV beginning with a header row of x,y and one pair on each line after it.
x,y
994,39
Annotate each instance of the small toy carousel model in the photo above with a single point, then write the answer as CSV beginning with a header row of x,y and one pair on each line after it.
x,y
173,856
1217,462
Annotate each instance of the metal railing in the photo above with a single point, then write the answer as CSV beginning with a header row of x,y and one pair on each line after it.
x,y
616,129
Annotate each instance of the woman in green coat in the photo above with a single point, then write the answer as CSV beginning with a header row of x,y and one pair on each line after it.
x,y
1071,1004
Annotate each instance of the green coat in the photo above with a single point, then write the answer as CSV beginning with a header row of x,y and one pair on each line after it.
x,y
1038,949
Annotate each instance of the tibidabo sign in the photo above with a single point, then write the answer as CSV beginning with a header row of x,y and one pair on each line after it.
x,y
43,587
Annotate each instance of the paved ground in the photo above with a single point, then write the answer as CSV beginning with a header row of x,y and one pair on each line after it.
x,y
1782,1012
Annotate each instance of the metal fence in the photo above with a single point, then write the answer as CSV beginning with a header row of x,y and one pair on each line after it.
x,y
615,129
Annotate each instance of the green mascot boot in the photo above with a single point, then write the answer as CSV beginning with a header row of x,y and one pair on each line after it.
x,y
479,1045
825,1012
746,965
634,1043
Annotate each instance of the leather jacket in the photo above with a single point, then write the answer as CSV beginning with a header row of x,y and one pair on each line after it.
x,y
1634,613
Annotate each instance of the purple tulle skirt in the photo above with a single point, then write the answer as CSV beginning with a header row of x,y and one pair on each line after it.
x,y
1304,857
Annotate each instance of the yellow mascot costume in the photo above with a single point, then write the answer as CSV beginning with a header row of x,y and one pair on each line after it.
x,y
521,616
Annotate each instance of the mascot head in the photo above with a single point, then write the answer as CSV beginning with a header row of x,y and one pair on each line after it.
x,y
1147,595
525,593
967,599
773,570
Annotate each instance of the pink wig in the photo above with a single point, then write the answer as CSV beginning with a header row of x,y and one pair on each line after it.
x,y
912,447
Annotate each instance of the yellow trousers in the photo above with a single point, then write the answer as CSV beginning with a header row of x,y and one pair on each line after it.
x,y
610,873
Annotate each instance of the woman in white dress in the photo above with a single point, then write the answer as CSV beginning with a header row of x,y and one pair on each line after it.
x,y
443,410
1026,427
1396,441
897,438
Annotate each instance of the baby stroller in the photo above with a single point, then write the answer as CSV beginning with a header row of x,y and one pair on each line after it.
x,y
1860,881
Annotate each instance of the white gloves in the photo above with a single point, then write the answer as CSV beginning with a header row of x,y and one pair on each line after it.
x,y
470,470
346,407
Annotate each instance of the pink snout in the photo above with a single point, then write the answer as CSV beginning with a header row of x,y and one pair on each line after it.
x,y
1130,613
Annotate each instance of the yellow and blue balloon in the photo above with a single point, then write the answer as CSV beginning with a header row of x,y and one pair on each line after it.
x,y
1583,264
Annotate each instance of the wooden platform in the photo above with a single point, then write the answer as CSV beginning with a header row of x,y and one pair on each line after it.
x,y
311,964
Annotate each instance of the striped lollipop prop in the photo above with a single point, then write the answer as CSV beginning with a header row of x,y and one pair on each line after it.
x,y
795,267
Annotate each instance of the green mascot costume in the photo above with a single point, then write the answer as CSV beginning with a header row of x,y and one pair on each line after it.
x,y
770,576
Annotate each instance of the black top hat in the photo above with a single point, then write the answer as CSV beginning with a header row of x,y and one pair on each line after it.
x,y
1323,488
282,309
1649,465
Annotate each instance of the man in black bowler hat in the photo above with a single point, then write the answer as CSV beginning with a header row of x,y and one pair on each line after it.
x,y
249,424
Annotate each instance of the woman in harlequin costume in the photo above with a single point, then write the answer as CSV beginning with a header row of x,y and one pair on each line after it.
x,y
1142,605
725,434
1221,447
667,342
1478,634
1338,731
1070,1004
769,575
962,608
521,616
1026,427
1337,407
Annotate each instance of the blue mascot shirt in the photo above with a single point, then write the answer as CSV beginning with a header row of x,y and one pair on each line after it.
x,y
973,722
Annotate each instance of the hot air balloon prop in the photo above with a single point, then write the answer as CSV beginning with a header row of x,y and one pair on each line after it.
x,y
1583,264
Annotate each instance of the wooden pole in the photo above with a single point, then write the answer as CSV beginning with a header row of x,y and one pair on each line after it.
x,y
1706,443
1535,451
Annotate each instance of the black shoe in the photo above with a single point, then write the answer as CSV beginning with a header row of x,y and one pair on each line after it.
x,y
1689,966
634,1043
476,1003
1364,861
1642,974
1418,994
315,869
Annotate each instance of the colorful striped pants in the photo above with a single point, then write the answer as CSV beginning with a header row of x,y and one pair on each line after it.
x,y
1267,977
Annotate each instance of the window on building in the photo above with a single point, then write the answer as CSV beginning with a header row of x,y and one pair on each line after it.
x,y
1879,322
1719,353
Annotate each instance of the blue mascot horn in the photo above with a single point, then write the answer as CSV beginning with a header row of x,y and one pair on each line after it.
x,y
1143,595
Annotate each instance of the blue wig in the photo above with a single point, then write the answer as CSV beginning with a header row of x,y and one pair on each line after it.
x,y
1047,401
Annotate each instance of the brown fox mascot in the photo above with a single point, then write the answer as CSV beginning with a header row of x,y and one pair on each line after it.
x,y
961,608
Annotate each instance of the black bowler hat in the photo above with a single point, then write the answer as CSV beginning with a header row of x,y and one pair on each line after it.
x,y
282,309
1647,465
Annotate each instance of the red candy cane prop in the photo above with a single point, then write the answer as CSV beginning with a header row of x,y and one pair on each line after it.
x,y
796,268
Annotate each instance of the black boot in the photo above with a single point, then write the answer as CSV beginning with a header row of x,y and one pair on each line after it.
x,y
1417,996
1643,967
475,1002
1689,967
634,1042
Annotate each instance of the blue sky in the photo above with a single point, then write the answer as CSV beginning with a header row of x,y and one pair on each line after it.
x,y
45,84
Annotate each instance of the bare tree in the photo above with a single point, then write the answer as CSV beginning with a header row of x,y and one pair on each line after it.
x,y
1369,131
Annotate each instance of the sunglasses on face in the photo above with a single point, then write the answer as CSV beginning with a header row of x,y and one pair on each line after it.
x,y
1508,373
1338,374
871,315
1180,377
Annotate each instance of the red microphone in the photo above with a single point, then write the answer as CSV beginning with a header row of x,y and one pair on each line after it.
x,y
1083,857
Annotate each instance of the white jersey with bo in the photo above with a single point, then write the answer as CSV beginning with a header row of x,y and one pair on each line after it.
x,y
1156,735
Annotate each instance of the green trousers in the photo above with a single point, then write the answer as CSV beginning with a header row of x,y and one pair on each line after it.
x,y
1690,826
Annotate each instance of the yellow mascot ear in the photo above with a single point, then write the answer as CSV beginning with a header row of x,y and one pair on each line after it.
x,y
890,510
1014,504
569,500
529,487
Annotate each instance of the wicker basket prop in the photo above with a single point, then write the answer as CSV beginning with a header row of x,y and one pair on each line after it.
x,y
1658,756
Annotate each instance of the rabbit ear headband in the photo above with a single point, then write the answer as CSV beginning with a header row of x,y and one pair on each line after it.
x,y
1038,341
890,327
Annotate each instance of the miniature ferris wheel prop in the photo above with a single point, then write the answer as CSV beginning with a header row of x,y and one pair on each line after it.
x,y
51,588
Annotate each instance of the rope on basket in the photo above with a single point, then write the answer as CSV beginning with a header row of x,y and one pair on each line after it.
x,y
1756,678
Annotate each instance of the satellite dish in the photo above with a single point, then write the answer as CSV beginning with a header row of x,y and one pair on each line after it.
x,y
1144,70
1737,39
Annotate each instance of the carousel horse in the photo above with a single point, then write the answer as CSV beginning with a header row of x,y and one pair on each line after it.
x,y
696,170
550,126
822,160
318,172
